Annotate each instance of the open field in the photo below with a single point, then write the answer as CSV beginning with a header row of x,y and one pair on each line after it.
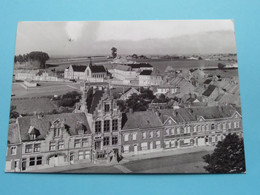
x,y
45,89
161,65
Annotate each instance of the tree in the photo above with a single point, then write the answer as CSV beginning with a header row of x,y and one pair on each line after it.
x,y
228,156
221,66
39,56
136,103
13,113
114,52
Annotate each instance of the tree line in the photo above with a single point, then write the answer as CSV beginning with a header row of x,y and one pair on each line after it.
x,y
39,56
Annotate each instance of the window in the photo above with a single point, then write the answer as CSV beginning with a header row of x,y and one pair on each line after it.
x,y
61,145
158,144
167,132
134,136
172,131
114,140
157,133
144,135
71,156
28,148
115,125
167,143
236,124
100,155
188,129
178,130
212,126
39,160
37,147
85,142
224,125
106,141
98,126
57,132
126,137
77,143
195,128
151,134
126,149
16,163
107,107
81,155
229,125
219,126
203,128
106,126
52,146
13,150
32,161
199,128
87,154
144,146
97,145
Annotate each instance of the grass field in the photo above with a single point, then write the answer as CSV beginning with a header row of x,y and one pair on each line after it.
x,y
45,89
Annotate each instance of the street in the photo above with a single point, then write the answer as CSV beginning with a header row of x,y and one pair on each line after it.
x,y
182,163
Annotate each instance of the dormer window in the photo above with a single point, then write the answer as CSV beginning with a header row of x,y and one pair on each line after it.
x,y
107,107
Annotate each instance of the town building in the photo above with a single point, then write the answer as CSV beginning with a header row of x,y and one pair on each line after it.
x,y
97,132
93,73
104,118
149,78
128,93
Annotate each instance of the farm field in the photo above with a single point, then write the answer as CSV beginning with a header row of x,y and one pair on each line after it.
x,y
45,89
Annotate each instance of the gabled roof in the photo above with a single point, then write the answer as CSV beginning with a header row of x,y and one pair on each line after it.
x,y
43,124
13,134
141,119
79,68
209,91
97,69
193,114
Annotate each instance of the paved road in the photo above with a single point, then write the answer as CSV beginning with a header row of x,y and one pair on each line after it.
x,y
183,163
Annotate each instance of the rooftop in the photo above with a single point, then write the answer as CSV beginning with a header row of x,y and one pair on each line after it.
x,y
43,124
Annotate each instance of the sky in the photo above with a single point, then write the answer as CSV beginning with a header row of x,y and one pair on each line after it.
x,y
141,37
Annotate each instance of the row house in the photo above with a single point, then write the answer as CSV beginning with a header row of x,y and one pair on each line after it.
x,y
199,126
104,118
142,132
48,141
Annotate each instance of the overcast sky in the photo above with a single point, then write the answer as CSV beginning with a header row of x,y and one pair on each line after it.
x,y
147,37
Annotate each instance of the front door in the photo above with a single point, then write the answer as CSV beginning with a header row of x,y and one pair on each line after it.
x,y
135,149
24,164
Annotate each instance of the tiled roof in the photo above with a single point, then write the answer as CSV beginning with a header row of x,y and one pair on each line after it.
x,y
79,68
140,65
93,100
13,134
43,123
141,119
97,69
208,81
192,114
208,91
146,72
